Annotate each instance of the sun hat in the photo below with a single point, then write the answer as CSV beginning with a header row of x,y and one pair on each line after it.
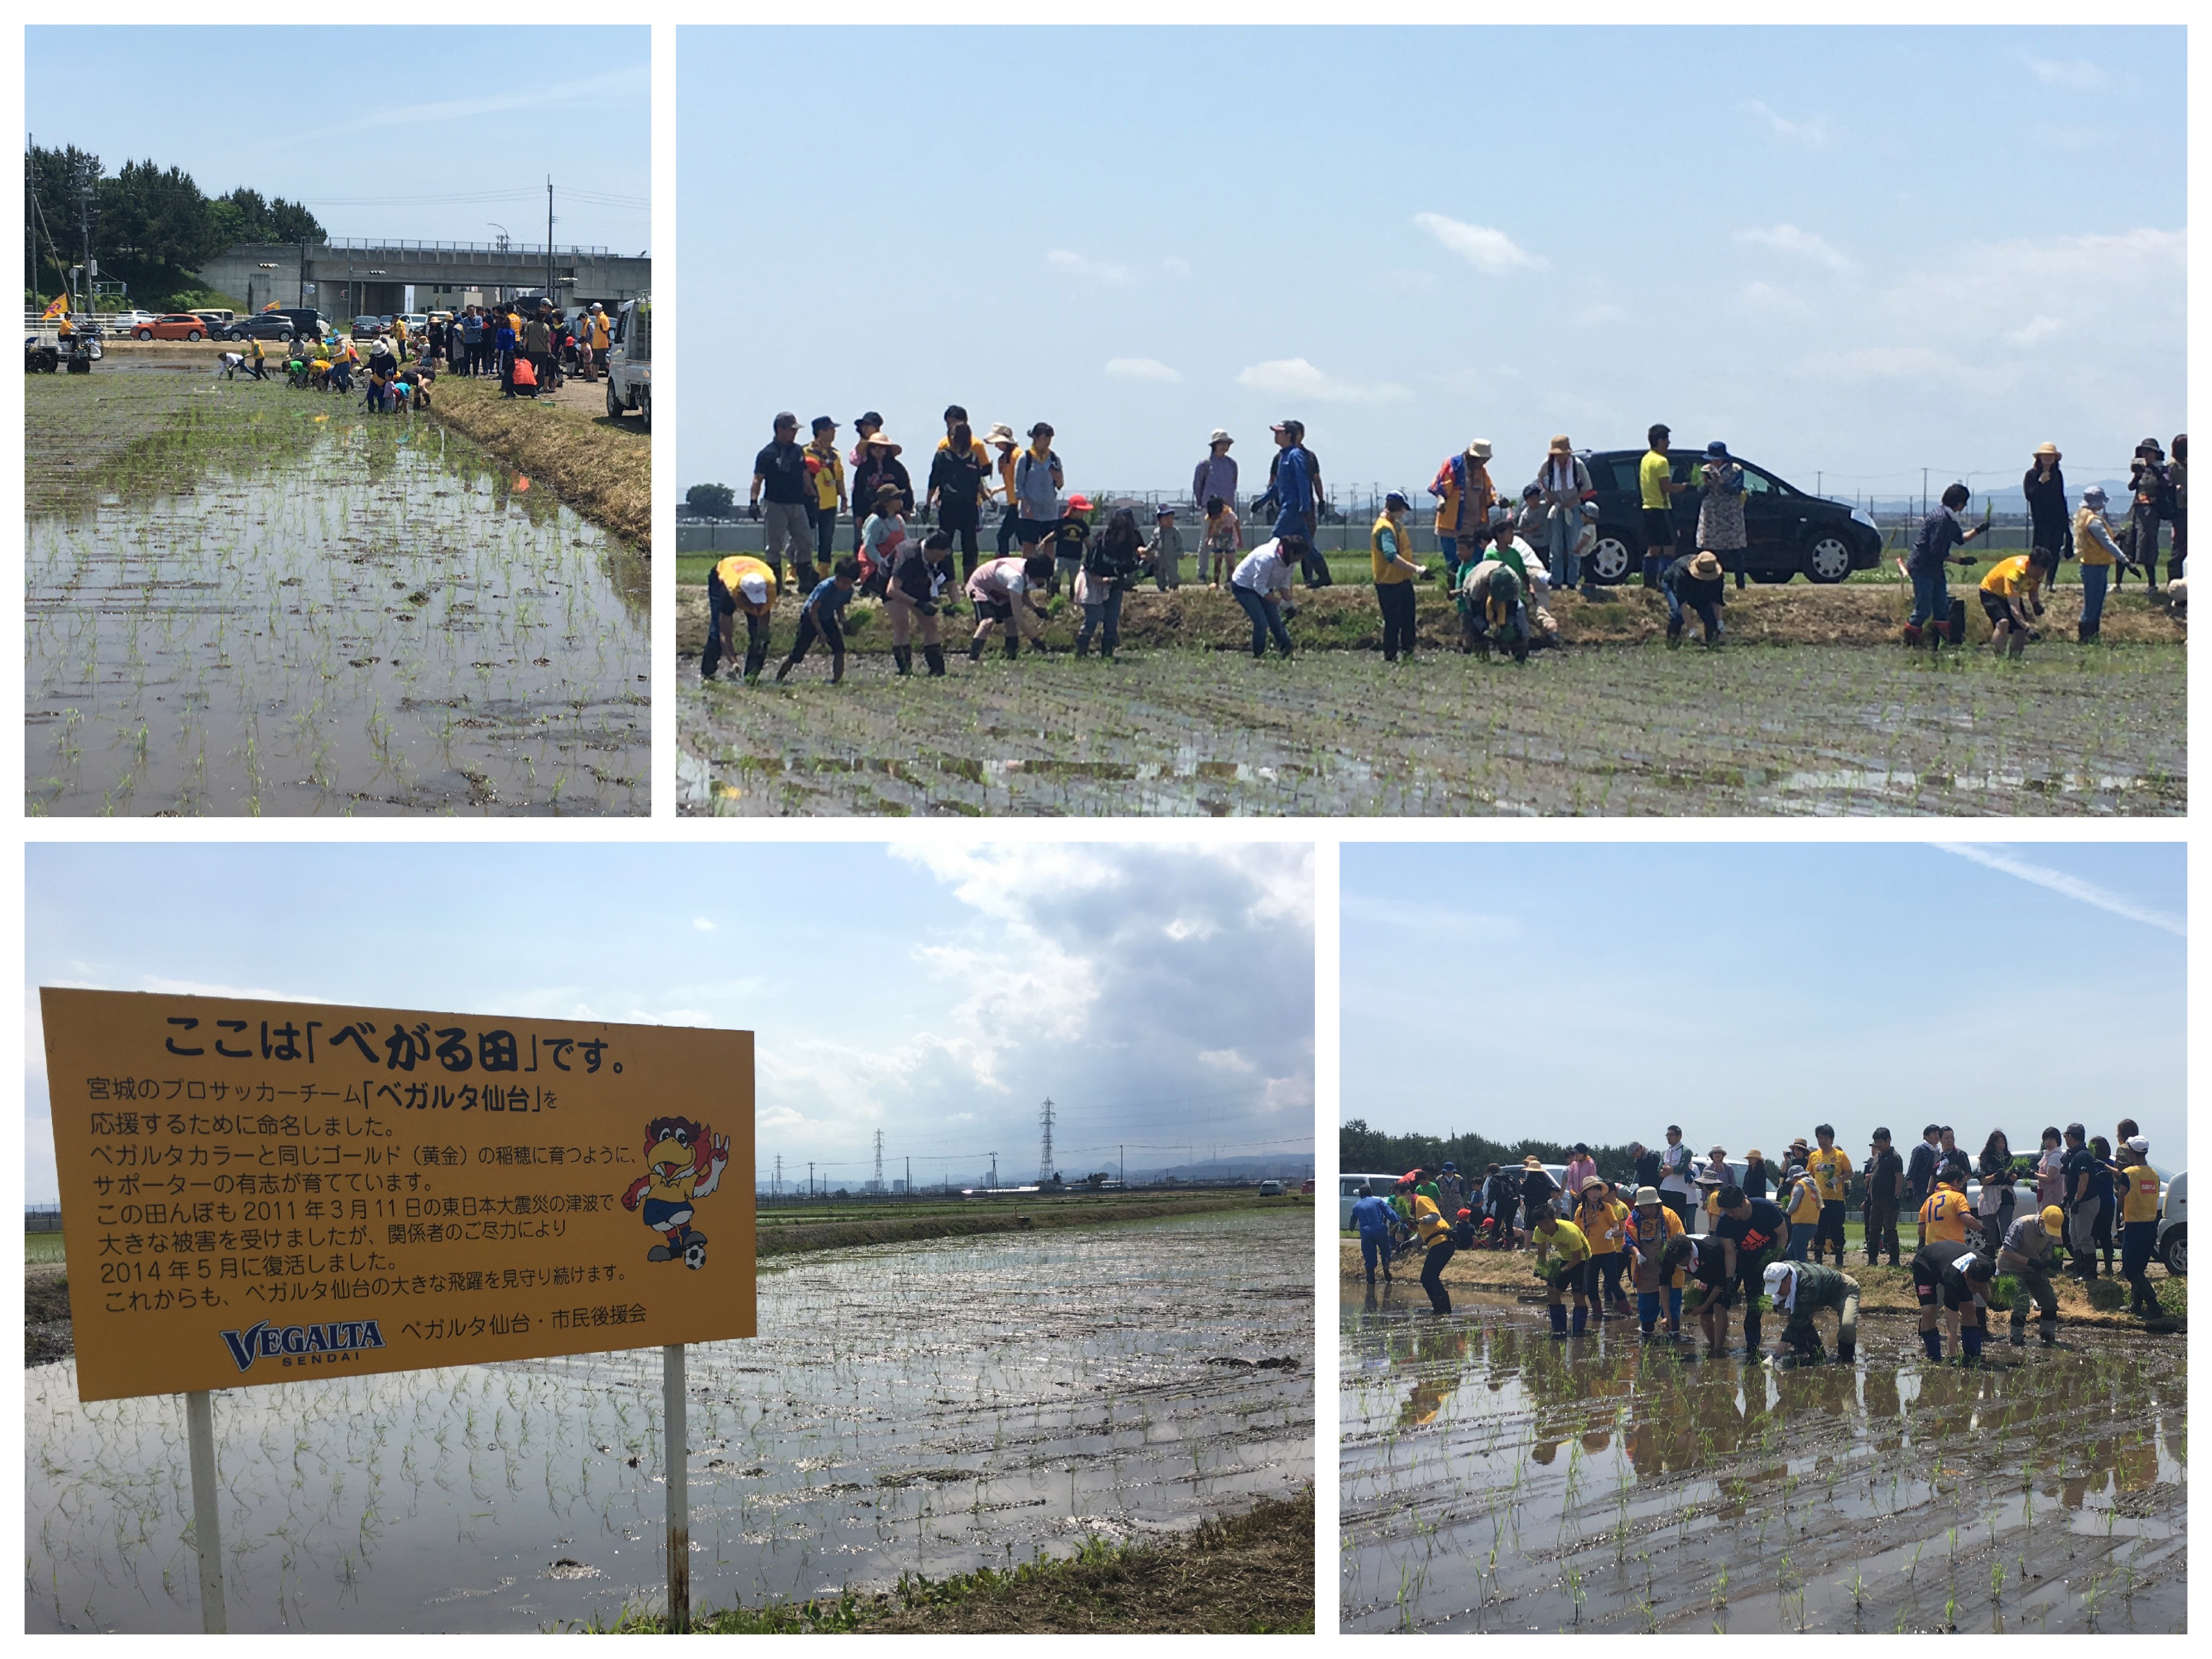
x,y
1718,1151
1532,1162
1480,449
1646,1196
1717,450
754,587
2138,1144
2051,450
2054,1221
1560,446
2093,493
1590,510
1589,1182
876,439
1043,427
1394,499
1219,435
1166,510
1755,1152
1705,567
1000,433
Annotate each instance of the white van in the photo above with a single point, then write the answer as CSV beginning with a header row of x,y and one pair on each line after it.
x,y
2174,1227
1348,1193
629,361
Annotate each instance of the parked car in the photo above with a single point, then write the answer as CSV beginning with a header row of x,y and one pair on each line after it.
x,y
1790,533
177,326
417,321
629,361
126,322
288,323
370,328
2174,1227
1271,1189
217,320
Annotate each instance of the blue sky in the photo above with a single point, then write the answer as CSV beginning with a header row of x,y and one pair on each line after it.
x,y
281,110
1161,995
1749,992
1854,252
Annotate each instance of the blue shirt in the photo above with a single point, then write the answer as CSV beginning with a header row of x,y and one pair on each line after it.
x,y
1294,482
1372,1216
826,593
1939,534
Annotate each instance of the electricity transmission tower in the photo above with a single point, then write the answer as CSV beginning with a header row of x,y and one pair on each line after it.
x,y
778,1189
1045,1166
879,1160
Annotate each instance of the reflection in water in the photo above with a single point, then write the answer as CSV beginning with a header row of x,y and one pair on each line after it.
x,y
1493,1477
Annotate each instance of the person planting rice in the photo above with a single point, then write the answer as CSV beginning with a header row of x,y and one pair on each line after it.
x,y
1395,573
1261,585
1562,1252
1603,1219
1712,1276
738,583
1434,1234
1652,1229
1492,611
1951,1283
1695,580
1000,591
918,574
822,618
2138,1185
2012,588
1802,1289
1108,571
1928,567
1757,1234
2030,1251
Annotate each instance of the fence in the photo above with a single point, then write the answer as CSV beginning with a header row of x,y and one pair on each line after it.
x,y
42,1219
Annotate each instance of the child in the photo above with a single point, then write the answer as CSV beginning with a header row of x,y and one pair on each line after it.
x,y
1166,554
2007,591
1224,543
1070,539
822,616
1110,569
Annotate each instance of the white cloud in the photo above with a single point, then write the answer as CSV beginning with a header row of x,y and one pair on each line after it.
x,y
2072,887
703,923
1076,265
194,988
2085,76
1788,239
1294,377
2035,332
1779,302
596,90
1140,369
1176,265
1814,134
1491,252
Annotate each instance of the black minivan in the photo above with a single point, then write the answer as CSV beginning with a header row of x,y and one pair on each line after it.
x,y
1789,532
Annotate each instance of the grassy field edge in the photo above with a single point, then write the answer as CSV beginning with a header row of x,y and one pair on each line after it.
x,y
602,469
791,1237
1251,1573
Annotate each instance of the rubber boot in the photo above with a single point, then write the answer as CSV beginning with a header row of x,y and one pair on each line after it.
x,y
836,668
934,656
1558,1319
756,660
1751,1334
2020,1332
1912,636
1673,635
784,668
1082,647
975,648
902,656
1013,647
1932,1343
1970,1338
1581,1320
2047,1327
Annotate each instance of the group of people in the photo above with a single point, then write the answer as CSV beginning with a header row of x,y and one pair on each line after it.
x,y
528,350
1679,1223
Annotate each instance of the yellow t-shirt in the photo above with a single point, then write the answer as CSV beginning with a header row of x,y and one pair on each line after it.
x,y
1567,1245
1428,1219
2011,579
1603,1223
1832,1171
1943,1217
734,570
1653,475
2140,1202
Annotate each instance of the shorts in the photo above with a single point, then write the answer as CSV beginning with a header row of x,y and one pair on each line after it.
x,y
1658,527
994,610
661,1214
1030,531
1719,1292
1995,607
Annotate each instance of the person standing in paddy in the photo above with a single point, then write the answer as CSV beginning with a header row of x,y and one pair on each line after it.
x,y
1001,438
1294,491
1223,545
1655,491
1216,474
1464,498
2045,486
822,618
1395,576
781,472
2099,554
825,473
738,583
1928,567
1830,1166
1163,553
1565,481
1261,585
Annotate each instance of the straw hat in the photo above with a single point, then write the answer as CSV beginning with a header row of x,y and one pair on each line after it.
x,y
1646,1196
1561,446
1532,1162
1589,1182
1480,449
876,439
1705,568
1755,1152
1000,433
2051,450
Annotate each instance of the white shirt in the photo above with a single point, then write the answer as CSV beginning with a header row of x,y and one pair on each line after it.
x,y
1263,570
1675,1161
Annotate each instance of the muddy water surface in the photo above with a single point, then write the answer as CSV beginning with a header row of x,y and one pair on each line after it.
x,y
1496,1479
921,1408
275,604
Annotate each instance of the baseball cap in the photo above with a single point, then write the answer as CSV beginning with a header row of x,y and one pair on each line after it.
x,y
754,587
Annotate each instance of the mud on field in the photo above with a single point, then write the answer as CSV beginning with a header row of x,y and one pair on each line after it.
x,y
1823,729
930,1408
1496,1479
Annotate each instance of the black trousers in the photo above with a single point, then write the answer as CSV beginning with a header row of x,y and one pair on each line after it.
x,y
1881,1230
828,630
1432,1274
1396,599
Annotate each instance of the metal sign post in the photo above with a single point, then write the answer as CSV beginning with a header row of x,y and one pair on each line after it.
x,y
207,1531
676,1464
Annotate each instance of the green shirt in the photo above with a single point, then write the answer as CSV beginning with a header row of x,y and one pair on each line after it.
x,y
1652,477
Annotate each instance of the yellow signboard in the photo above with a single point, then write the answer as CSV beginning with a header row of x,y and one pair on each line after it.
x,y
268,1192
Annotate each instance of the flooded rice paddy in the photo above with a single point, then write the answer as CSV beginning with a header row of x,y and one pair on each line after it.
x,y
272,603
1801,730
907,1408
1494,1479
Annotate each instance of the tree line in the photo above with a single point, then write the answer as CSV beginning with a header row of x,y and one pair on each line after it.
x,y
152,226
1361,1149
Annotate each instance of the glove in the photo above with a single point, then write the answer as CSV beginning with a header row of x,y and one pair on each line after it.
x,y
752,510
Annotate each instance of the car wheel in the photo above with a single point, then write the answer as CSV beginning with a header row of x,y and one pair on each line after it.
x,y
145,333
1827,558
2174,1252
1610,559
614,403
191,334
645,408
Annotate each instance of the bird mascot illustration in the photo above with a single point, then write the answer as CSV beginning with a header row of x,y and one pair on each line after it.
x,y
683,1162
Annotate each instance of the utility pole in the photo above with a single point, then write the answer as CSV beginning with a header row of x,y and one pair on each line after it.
x,y
994,1169
810,1177
549,238
879,1160
777,1190
1045,1166
909,1176
1125,1168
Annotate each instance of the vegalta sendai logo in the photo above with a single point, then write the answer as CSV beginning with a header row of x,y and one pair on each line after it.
x,y
291,1343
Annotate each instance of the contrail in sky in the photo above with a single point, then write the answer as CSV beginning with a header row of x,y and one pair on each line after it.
x,y
2072,887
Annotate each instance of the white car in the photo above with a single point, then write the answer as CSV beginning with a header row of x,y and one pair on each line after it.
x,y
1271,1189
2173,1226
1348,1193
123,322
629,362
